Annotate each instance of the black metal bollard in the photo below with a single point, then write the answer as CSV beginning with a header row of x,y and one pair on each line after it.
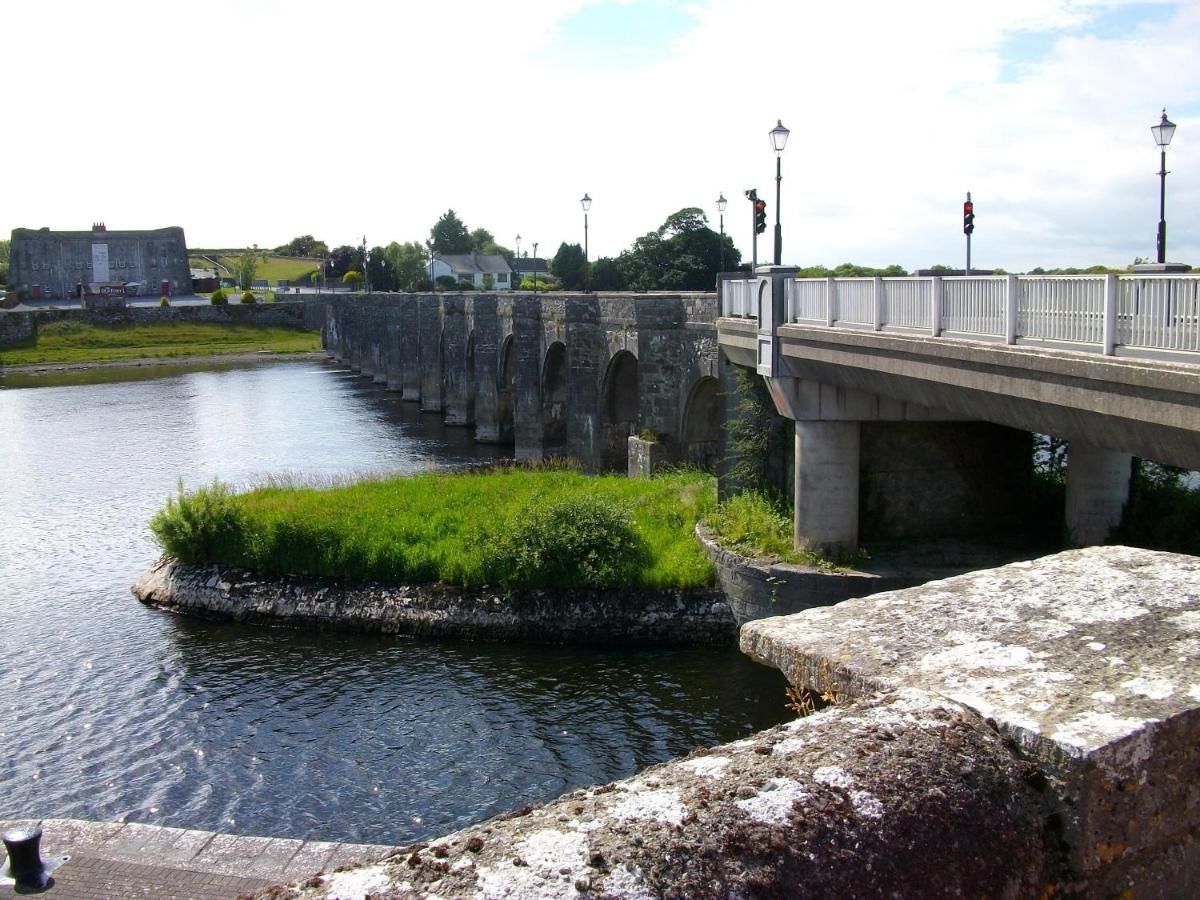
x,y
25,867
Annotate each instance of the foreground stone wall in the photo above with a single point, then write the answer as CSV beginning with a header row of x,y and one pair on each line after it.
x,y
1026,731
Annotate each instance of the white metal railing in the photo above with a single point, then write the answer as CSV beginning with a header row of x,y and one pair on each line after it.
x,y
737,297
1136,313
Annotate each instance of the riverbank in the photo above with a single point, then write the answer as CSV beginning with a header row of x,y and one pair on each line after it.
x,y
698,616
197,360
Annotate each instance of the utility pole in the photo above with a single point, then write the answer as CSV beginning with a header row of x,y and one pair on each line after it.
x,y
968,226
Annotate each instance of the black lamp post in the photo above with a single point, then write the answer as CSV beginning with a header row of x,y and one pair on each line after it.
x,y
535,243
721,204
779,136
586,203
1163,132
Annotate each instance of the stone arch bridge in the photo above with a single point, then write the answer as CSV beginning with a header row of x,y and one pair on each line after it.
x,y
553,374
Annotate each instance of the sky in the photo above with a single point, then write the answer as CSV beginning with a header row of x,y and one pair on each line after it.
x,y
254,121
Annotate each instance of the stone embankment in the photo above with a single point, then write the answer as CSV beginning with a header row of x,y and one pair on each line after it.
x,y
1031,730
440,611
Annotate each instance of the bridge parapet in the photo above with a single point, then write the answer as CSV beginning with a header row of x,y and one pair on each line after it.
x,y
1133,315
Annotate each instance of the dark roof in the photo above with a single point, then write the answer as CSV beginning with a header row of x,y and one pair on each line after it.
x,y
475,262
530,264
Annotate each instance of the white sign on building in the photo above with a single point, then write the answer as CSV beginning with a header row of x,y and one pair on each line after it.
x,y
99,263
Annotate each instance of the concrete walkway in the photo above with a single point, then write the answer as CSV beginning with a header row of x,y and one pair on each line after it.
x,y
110,860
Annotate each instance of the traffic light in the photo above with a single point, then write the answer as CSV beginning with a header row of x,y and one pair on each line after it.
x,y
968,216
760,216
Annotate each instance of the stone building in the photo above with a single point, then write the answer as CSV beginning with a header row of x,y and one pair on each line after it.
x,y
47,263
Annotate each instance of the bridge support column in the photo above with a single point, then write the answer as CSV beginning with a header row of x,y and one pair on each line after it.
x,y
410,350
394,374
827,456
429,324
486,331
1097,490
459,388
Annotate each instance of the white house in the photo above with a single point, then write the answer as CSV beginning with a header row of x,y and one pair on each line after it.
x,y
472,267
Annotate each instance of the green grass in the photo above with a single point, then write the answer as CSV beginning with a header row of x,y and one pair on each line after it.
x,y
508,527
70,341
751,525
276,267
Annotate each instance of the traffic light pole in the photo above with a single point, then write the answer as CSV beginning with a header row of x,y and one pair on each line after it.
x,y
968,254
752,196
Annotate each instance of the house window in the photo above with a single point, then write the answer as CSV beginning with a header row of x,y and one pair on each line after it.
x,y
501,278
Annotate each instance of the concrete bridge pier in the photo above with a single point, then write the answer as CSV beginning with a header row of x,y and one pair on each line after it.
x,y
1098,482
524,354
432,356
394,371
483,353
458,378
826,500
410,349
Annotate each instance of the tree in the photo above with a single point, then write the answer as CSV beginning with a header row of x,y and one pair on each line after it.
x,y
245,267
305,245
380,274
480,239
352,278
344,259
409,265
569,267
606,275
449,235
5,250
683,254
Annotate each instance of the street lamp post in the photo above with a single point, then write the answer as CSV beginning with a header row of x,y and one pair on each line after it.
x,y
535,267
586,203
721,204
1163,132
779,136
517,286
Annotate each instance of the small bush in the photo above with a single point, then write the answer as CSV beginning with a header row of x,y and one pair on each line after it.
x,y
205,525
164,301
447,282
219,297
577,542
249,297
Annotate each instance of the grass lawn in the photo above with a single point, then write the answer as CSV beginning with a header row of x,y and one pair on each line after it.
x,y
276,267
515,527
70,341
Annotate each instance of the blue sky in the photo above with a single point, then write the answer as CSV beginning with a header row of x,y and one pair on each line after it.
x,y
368,117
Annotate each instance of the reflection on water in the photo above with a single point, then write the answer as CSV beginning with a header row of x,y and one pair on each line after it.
x,y
111,710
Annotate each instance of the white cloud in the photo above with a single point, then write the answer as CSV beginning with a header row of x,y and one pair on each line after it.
x,y
256,121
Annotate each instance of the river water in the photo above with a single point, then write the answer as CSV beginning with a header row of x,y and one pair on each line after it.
x,y
113,711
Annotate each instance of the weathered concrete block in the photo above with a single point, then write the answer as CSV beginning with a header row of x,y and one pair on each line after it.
x,y
1089,659
645,457
900,796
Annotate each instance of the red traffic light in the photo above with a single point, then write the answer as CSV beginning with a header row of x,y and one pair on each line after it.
x,y
968,207
760,205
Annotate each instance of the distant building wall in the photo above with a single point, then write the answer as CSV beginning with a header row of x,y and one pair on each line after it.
x,y
57,261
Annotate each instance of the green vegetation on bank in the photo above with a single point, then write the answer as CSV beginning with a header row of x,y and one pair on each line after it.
x,y
72,341
544,527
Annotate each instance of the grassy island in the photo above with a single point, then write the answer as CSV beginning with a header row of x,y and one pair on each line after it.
x,y
69,341
509,527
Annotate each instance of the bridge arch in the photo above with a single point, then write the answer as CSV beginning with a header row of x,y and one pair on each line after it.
x,y
555,395
619,409
505,375
701,429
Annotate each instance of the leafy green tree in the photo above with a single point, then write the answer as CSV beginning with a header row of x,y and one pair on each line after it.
x,y
683,254
606,275
5,251
305,245
409,265
450,235
352,278
380,274
245,267
569,267
344,259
